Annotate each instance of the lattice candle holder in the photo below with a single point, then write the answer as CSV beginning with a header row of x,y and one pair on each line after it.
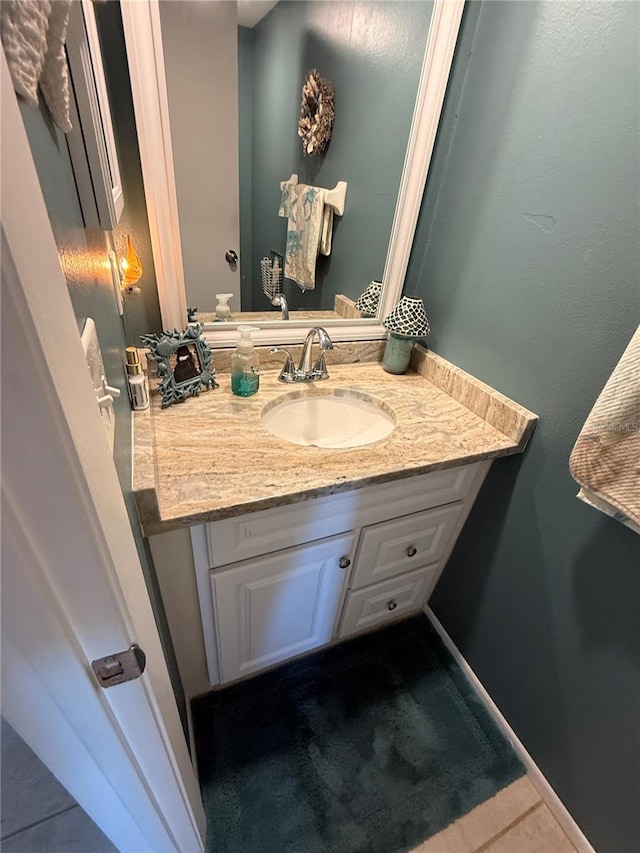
x,y
369,300
407,322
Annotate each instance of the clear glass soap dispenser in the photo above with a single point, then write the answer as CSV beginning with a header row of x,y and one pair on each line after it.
x,y
223,311
245,364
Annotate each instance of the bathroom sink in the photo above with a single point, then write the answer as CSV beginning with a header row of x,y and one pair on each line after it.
x,y
339,418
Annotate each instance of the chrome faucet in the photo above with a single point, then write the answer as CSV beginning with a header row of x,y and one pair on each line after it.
x,y
305,372
280,301
319,370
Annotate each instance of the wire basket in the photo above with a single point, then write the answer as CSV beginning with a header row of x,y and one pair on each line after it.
x,y
271,279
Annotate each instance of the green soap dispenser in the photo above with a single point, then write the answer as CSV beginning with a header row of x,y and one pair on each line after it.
x,y
245,364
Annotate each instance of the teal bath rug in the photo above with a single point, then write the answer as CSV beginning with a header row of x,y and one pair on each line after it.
x,y
371,746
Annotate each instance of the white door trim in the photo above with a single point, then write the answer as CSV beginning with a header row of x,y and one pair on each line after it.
x,y
73,584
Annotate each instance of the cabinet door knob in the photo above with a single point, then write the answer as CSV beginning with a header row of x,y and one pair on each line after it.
x,y
231,257
391,605
411,551
344,563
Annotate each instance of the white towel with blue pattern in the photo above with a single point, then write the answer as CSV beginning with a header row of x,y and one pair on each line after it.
x,y
309,231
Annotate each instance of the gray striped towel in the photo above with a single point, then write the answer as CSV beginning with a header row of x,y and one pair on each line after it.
x,y
605,460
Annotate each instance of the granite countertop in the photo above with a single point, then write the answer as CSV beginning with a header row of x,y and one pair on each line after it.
x,y
211,457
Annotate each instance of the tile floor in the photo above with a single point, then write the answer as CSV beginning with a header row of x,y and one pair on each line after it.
x,y
516,820
37,812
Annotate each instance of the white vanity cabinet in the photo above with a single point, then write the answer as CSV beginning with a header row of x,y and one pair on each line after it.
x,y
277,583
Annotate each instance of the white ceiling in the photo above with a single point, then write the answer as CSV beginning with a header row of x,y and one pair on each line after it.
x,y
252,11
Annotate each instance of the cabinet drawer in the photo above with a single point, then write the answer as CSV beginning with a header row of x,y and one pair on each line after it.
x,y
385,601
397,546
233,539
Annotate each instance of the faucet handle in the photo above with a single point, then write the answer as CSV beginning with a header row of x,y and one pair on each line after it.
x,y
288,372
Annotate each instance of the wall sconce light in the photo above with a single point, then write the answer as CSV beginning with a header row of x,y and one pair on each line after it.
x,y
407,323
131,269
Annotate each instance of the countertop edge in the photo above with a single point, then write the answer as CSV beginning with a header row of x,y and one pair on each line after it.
x,y
155,525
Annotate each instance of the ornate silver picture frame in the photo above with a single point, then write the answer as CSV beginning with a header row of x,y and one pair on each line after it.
x,y
184,363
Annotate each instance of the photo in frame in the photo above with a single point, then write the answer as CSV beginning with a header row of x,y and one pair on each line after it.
x,y
183,362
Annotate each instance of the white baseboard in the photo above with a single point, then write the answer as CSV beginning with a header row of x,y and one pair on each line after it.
x,y
553,801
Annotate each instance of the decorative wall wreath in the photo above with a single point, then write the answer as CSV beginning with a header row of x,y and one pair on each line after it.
x,y
317,113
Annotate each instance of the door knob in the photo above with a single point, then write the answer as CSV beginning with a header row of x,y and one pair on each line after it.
x,y
411,551
231,257
391,605
344,563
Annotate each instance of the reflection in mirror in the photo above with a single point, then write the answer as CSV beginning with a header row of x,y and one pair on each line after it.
x,y
184,363
232,151
174,230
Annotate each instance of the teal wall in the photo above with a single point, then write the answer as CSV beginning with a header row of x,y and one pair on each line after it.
x,y
83,258
372,53
527,259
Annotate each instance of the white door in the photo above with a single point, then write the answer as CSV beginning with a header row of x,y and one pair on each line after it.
x,y
200,47
276,607
72,585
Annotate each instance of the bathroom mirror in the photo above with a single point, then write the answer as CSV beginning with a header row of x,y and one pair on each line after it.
x,y
172,234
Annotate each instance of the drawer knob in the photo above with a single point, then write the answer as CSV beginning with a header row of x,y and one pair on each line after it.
x,y
391,605
411,551
344,563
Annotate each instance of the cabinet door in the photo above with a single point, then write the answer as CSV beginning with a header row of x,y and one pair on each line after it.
x,y
273,608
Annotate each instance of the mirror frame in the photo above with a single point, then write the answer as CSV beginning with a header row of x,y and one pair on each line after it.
x,y
143,38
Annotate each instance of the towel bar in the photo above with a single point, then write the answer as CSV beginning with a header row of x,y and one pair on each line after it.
x,y
335,198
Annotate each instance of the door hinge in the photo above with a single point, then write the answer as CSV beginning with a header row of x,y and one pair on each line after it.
x,y
120,667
